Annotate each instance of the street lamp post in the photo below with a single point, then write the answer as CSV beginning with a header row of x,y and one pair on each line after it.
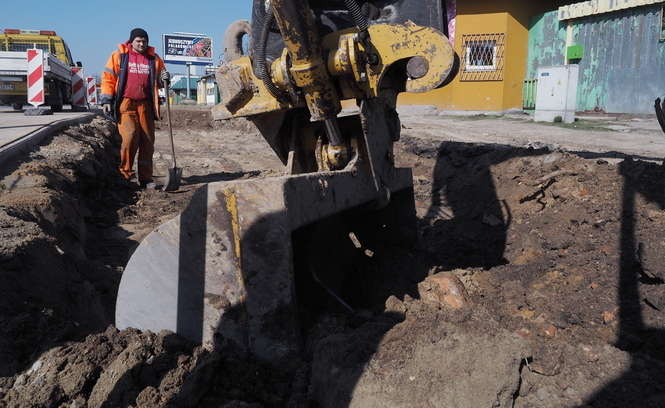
x,y
189,75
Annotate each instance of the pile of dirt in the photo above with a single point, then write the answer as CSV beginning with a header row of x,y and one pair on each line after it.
x,y
417,356
114,369
189,117
564,249
195,118
62,252
49,289
69,226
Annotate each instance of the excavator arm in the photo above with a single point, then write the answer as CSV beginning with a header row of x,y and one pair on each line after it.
x,y
226,272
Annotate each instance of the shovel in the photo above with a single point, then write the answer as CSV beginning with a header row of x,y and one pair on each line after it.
x,y
173,177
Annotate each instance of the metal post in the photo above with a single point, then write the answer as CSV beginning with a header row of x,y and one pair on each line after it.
x,y
189,74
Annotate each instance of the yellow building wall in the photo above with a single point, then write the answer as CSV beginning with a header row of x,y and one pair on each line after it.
x,y
516,57
488,17
469,95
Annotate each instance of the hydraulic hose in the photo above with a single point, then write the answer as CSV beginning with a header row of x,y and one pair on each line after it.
x,y
359,19
262,68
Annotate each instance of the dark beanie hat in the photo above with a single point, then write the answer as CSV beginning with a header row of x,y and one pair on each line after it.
x,y
138,32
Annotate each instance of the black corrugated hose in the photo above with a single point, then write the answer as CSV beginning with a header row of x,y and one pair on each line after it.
x,y
359,19
262,68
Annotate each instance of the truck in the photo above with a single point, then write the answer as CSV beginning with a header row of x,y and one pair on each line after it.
x,y
58,64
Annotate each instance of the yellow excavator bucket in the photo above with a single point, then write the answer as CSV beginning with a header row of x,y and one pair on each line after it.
x,y
229,271
222,272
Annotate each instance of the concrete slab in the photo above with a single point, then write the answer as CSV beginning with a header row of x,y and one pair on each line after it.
x,y
38,111
597,117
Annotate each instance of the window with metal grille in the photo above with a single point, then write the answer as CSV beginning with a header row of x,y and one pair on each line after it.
x,y
482,57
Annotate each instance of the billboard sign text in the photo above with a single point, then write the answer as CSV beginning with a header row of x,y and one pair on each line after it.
x,y
187,48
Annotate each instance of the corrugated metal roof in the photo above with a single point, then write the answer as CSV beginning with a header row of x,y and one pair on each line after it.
x,y
592,7
182,83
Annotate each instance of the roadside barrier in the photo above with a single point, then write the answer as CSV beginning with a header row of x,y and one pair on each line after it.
x,y
35,77
92,90
78,89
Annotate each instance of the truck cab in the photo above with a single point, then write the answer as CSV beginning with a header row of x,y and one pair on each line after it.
x,y
13,83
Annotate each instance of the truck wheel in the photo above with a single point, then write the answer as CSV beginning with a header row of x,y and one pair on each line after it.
x,y
56,104
17,106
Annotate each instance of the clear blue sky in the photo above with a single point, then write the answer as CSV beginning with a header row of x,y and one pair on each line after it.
x,y
93,28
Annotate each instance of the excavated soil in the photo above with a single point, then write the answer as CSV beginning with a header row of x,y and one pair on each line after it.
x,y
554,260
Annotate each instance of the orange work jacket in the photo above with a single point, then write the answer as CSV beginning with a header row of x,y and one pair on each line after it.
x,y
114,78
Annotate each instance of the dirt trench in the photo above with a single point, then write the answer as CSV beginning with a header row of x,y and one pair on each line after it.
x,y
536,281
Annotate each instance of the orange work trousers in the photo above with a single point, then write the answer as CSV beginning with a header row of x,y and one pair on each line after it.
x,y
137,129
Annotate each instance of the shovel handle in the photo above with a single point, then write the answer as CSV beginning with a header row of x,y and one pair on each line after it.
x,y
168,118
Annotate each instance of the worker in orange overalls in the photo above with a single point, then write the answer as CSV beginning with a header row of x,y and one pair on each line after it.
x,y
130,83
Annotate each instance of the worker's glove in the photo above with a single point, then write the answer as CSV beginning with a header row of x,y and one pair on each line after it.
x,y
106,108
165,76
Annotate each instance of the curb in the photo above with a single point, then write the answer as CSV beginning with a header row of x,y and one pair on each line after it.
x,y
27,142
